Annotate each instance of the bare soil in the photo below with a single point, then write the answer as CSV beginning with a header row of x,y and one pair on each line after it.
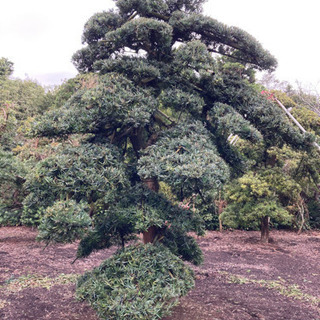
x,y
240,279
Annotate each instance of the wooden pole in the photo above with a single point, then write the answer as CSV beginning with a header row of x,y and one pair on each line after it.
x,y
294,120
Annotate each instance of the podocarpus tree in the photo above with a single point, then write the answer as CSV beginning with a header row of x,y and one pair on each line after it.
x,y
253,200
158,105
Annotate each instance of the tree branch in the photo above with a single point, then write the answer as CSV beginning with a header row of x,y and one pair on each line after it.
x,y
161,119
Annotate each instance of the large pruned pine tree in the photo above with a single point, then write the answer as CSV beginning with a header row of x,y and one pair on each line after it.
x,y
165,86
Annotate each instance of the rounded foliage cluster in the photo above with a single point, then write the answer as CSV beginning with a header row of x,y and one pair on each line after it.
x,y
186,159
89,172
140,282
64,221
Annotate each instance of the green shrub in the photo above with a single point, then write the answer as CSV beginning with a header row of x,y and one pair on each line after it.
x,y
88,172
140,282
9,217
254,196
31,218
65,221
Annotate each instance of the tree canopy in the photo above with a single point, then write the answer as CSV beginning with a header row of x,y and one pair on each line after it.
x,y
158,92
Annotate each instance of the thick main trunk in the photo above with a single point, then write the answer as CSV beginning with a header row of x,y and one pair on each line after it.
x,y
265,229
139,142
152,233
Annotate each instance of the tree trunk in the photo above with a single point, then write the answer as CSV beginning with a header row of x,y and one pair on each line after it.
x,y
152,184
152,233
265,229
221,205
271,161
220,224
139,142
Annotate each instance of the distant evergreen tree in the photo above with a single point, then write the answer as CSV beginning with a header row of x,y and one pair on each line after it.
x,y
19,100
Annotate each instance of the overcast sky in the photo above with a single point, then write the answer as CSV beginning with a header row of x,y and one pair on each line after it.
x,y
40,36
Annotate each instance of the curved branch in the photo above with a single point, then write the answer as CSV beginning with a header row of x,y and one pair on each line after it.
x,y
214,33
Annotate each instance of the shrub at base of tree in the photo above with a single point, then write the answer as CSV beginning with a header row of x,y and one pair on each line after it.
x,y
139,282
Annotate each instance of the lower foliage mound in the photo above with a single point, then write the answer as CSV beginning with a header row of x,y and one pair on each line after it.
x,y
139,282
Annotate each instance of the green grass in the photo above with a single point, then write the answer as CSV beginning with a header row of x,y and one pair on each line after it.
x,y
280,285
37,281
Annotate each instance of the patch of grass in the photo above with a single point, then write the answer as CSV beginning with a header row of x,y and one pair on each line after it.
x,y
280,285
37,281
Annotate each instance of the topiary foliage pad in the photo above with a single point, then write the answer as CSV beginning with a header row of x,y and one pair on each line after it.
x,y
140,282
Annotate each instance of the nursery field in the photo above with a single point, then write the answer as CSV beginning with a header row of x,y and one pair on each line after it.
x,y
240,279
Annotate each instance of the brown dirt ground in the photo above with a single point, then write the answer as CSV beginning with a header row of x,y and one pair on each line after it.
x,y
241,279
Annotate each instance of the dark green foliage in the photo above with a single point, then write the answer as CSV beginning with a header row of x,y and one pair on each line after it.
x,y
185,159
139,70
153,36
99,24
168,106
262,113
115,226
64,221
111,103
182,101
140,282
163,7
228,41
138,209
62,93
168,22
314,213
12,177
158,107
85,173
182,245
212,220
32,217
226,120
10,217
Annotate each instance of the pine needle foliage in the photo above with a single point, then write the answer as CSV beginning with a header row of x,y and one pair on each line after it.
x,y
140,282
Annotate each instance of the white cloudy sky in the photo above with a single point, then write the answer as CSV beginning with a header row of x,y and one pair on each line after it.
x,y
40,36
